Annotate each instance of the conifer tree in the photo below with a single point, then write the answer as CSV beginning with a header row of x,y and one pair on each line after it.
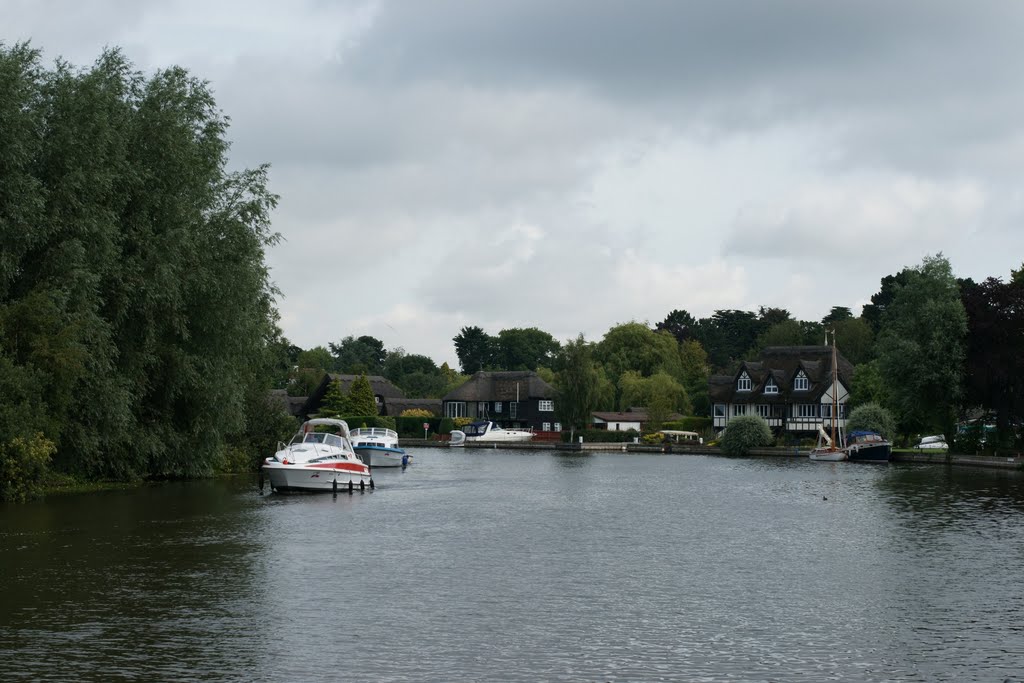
x,y
360,400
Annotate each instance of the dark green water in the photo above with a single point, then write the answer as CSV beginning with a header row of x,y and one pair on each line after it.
x,y
528,566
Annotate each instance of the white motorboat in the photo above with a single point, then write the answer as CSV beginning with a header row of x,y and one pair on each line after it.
x,y
485,430
378,447
317,460
937,441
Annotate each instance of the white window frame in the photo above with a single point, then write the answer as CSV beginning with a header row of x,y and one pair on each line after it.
x,y
455,409
545,427
743,383
720,410
807,410
739,409
771,387
801,382
545,406
558,426
764,410
513,409
497,407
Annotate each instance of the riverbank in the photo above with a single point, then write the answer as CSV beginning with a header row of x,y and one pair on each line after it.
x,y
992,461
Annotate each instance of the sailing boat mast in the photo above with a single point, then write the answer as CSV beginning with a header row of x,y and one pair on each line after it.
x,y
835,389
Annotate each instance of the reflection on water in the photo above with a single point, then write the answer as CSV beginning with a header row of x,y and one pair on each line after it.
x,y
526,566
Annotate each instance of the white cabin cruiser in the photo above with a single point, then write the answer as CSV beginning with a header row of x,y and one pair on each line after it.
x,y
378,447
317,460
485,430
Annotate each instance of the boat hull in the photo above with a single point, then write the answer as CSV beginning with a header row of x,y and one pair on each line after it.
x,y
316,477
381,456
824,455
880,452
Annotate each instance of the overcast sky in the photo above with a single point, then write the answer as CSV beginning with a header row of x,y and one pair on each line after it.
x,y
574,165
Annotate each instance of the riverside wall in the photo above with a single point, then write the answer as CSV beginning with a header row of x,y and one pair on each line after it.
x,y
1011,461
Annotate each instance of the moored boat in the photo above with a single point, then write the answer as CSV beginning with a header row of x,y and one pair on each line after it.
x,y
865,446
378,447
830,446
317,460
485,430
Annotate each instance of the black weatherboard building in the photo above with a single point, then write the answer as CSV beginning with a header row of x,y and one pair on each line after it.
x,y
510,399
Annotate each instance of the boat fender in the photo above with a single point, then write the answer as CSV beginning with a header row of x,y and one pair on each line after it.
x,y
405,460
334,486
371,483
362,485
350,486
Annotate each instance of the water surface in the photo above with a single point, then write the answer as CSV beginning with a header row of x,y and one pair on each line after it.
x,y
500,565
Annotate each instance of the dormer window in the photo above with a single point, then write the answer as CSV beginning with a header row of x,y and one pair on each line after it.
x,y
771,387
801,383
743,383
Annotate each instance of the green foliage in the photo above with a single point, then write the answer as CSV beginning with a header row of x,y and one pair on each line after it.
x,y
23,467
317,358
869,386
446,426
417,412
363,355
304,381
633,347
412,426
475,349
921,348
360,399
133,288
785,333
855,339
744,433
335,403
523,349
416,375
578,383
871,417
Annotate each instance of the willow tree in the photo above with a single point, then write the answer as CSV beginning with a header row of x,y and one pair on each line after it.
x,y
136,310
578,384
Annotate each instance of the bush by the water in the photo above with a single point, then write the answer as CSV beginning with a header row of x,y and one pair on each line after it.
x,y
23,466
872,417
746,432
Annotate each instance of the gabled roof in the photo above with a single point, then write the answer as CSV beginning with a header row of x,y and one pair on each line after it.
x,y
291,404
782,364
503,386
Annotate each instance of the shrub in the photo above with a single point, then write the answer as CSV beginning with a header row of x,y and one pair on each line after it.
x,y
23,466
447,425
416,412
746,432
871,417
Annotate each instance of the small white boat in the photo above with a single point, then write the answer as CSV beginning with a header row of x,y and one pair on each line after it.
x,y
317,461
378,447
937,441
485,430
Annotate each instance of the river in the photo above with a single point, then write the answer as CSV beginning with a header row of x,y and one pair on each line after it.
x,y
493,565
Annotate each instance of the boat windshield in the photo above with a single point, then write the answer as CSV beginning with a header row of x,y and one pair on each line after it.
x,y
319,437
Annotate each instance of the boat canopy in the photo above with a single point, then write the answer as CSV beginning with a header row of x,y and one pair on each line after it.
x,y
340,425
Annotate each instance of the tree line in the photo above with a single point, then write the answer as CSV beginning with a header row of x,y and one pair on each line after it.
x,y
138,327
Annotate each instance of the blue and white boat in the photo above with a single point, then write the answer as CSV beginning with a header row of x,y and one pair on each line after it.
x,y
378,447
